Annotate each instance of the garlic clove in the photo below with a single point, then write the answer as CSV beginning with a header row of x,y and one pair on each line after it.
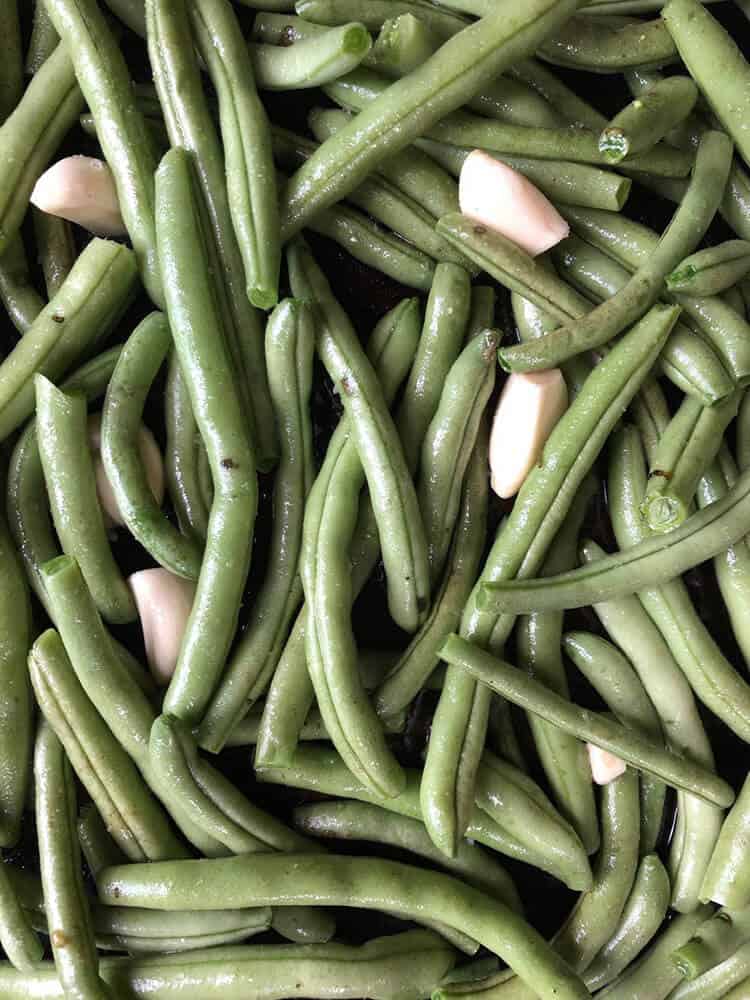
x,y
605,766
150,456
164,602
528,409
501,198
81,189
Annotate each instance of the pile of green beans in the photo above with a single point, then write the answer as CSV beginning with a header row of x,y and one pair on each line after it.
x,y
358,680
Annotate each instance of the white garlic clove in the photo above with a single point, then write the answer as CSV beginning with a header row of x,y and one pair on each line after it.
x,y
605,766
150,456
501,198
164,602
82,190
528,409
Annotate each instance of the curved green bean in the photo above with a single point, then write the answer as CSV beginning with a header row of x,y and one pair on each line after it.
x,y
69,918
649,118
727,879
712,271
85,309
17,938
98,847
311,62
137,367
597,729
341,880
374,13
105,81
56,249
204,362
62,436
182,453
609,45
461,66
17,292
403,44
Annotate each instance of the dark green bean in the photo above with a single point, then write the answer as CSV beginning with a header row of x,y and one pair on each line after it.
x,y
194,318
349,881
106,85
596,729
43,39
56,249
649,118
566,102
610,45
410,106
138,364
183,448
71,934
17,292
84,310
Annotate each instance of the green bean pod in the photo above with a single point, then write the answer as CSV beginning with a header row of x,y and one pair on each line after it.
x,y
311,62
43,39
405,966
375,13
84,310
289,355
449,442
403,44
17,292
461,66
251,183
193,316
718,938
17,938
98,847
71,934
639,922
609,673
727,880
571,108
712,271
649,118
351,881
134,819
56,249
393,495
719,981
684,454
105,81
610,45
137,367
184,448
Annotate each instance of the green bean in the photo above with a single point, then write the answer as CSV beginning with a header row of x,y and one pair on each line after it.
x,y
684,453
17,292
56,249
538,650
134,819
251,185
131,13
520,807
703,44
449,442
289,354
374,13
69,918
411,171
649,118
311,62
62,435
726,880
137,367
687,360
43,39
17,937
84,310
519,549
348,881
191,127
653,976
609,673
609,45
686,229
407,677
247,730
561,181
193,316
641,918
98,847
712,271
403,44
718,982
597,729
627,6
716,939
631,244
321,770
411,106
405,966
184,444
566,102
362,821
105,82
393,496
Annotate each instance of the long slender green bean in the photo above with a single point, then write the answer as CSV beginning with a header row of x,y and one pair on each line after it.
x,y
610,45
193,318
88,304
17,938
71,934
184,446
62,435
712,271
43,39
726,880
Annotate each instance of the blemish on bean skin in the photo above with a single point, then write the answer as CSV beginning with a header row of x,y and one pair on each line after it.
x,y
57,318
348,385
228,463
59,939
287,36
480,230
116,892
663,473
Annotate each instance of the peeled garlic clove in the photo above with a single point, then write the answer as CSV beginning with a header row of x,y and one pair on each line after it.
x,y
499,197
150,456
605,767
82,190
528,409
164,602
